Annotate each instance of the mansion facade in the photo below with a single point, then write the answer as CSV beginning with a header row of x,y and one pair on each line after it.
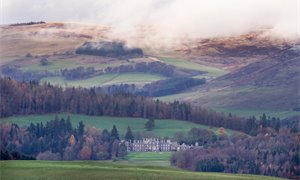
x,y
156,145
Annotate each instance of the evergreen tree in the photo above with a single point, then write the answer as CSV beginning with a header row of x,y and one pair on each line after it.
x,y
105,135
150,124
129,135
69,125
114,134
80,129
4,155
264,121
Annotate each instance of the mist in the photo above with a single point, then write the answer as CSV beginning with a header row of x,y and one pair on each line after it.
x,y
164,18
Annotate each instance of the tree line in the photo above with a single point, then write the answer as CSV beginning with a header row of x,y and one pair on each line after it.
x,y
269,153
58,140
21,98
155,89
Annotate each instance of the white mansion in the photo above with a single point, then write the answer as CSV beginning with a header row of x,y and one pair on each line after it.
x,y
154,144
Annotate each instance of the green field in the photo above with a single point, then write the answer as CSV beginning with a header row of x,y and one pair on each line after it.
x,y
147,158
162,127
57,65
211,71
52,66
106,79
104,170
258,112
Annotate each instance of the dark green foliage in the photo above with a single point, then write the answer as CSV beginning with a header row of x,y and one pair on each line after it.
x,y
4,155
14,155
30,98
114,135
80,129
129,135
105,135
170,86
56,140
109,49
28,23
44,62
210,165
78,73
150,124
268,153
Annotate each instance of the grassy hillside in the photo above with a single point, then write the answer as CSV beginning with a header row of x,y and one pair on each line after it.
x,y
162,127
211,100
58,63
258,112
270,86
103,170
106,79
211,71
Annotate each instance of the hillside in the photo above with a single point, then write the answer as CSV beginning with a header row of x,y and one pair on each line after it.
x,y
235,51
271,83
250,72
266,85
71,58
163,127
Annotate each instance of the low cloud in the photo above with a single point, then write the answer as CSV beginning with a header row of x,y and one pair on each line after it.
x,y
167,18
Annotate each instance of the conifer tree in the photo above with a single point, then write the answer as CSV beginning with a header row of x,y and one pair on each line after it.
x,y
114,134
129,136
150,124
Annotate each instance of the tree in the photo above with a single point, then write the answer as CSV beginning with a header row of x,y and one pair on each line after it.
x,y
129,136
44,61
72,140
85,153
122,150
210,165
150,124
264,121
80,128
4,155
114,134
105,135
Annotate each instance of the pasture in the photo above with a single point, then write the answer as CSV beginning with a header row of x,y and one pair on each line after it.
x,y
105,170
106,79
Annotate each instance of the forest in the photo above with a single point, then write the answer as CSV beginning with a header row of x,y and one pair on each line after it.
x,y
109,49
22,98
154,89
59,140
267,145
271,152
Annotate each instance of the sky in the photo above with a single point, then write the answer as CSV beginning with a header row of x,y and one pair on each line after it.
x,y
173,17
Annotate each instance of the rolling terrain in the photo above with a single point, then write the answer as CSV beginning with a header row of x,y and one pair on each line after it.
x,y
254,72
139,79
244,74
271,85
162,128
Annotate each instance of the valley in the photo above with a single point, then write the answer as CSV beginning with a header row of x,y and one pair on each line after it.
x,y
76,93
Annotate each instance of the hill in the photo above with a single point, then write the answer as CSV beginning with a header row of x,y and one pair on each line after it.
x,y
248,73
103,170
235,51
162,127
69,45
270,84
